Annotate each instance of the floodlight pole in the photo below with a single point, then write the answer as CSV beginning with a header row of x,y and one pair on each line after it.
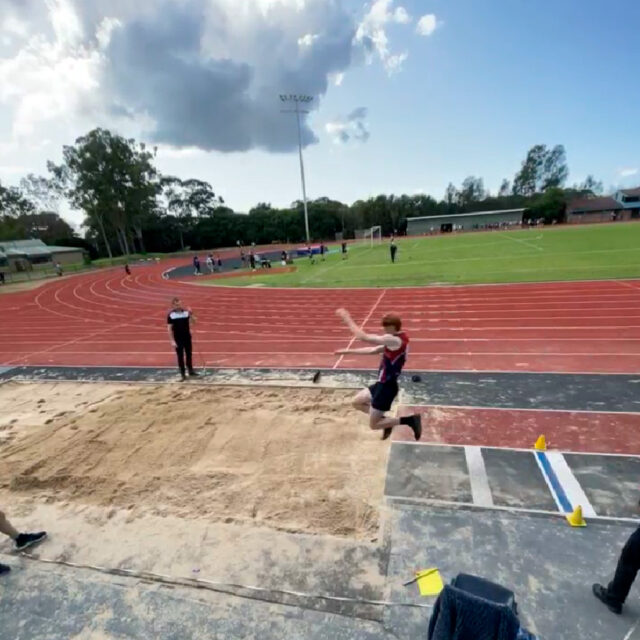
x,y
297,99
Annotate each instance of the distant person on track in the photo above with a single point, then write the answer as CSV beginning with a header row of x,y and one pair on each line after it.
x,y
179,322
1,277
252,261
378,398
127,269
393,249
22,540
283,258
323,250
196,266
344,250
210,263
58,269
219,263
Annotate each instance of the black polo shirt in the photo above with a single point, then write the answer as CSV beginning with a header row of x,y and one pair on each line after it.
x,y
179,321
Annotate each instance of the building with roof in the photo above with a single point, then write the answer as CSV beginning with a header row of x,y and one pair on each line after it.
x,y
23,255
502,218
623,205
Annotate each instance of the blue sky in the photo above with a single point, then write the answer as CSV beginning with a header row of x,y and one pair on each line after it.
x,y
468,98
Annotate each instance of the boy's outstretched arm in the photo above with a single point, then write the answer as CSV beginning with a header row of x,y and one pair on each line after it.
x,y
386,340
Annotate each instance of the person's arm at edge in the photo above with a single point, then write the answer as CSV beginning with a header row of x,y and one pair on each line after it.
x,y
386,340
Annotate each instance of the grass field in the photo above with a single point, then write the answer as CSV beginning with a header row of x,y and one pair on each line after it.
x,y
562,253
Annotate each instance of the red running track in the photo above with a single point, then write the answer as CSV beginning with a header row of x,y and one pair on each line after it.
x,y
105,319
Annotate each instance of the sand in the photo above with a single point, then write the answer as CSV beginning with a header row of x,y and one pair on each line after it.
x,y
295,460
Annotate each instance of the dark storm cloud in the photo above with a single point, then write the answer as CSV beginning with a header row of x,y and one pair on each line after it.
x,y
156,65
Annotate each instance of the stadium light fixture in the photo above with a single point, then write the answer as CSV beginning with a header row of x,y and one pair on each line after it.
x,y
299,100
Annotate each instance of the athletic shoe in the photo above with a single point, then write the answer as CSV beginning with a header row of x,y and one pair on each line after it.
x,y
193,373
601,593
183,377
26,540
415,422
386,433
4,569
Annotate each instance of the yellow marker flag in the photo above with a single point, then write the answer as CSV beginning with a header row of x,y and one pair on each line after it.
x,y
429,582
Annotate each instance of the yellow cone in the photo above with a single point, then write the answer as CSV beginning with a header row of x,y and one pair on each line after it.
x,y
541,444
575,519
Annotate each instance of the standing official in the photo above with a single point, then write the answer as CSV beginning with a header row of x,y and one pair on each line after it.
x,y
178,327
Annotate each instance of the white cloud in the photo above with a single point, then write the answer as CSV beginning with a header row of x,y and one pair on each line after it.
x,y
427,25
352,127
626,173
373,35
307,40
182,73
401,16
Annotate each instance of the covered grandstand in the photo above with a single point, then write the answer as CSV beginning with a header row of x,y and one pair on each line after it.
x,y
464,221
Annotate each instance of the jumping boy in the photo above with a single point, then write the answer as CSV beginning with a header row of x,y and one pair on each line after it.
x,y
178,327
378,398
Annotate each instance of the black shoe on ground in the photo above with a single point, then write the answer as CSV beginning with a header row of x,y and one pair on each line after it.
x,y
193,373
600,592
26,540
183,376
386,433
4,569
415,422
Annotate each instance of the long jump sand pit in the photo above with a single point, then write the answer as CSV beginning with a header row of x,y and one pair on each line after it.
x,y
292,459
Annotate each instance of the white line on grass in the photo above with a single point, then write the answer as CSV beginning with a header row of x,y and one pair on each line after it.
x,y
528,244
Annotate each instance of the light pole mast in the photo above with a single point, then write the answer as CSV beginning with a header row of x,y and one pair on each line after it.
x,y
297,99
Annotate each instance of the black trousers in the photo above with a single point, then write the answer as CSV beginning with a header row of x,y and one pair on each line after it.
x,y
183,347
628,566
393,255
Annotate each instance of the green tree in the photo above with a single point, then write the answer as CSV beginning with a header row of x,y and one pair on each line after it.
x,y
111,179
542,169
186,199
590,186
472,190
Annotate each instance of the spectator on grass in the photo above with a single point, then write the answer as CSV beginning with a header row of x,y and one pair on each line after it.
x,y
58,269
252,261
393,250
219,264
283,258
1,277
344,250
210,264
196,266
322,251
22,540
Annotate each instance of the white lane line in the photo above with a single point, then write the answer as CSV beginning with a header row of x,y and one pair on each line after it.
x,y
572,489
432,502
371,312
480,490
630,632
519,409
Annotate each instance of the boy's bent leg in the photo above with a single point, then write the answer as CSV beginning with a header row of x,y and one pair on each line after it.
x,y
362,401
6,527
378,420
